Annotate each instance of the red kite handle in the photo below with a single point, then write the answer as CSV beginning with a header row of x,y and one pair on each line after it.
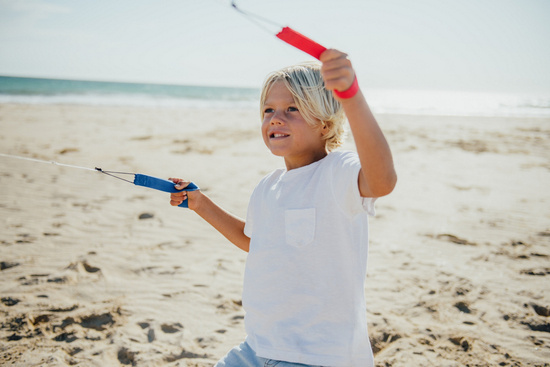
x,y
301,42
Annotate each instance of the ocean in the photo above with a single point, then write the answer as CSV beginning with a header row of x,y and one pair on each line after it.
x,y
415,102
58,91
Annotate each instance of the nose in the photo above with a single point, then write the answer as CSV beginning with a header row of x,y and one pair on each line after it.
x,y
277,118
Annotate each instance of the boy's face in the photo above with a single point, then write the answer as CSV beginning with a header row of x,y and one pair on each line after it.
x,y
286,133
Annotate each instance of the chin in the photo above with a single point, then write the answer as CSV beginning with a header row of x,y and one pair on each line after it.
x,y
276,152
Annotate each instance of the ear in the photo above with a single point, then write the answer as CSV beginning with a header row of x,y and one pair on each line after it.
x,y
324,129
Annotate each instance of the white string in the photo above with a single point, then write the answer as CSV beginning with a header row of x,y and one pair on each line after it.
x,y
42,161
254,19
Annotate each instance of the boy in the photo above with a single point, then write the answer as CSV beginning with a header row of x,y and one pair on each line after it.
x,y
306,229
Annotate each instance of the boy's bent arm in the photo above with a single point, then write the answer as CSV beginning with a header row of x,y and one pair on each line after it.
x,y
227,224
377,176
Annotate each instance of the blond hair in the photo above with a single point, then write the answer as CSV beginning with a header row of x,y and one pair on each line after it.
x,y
316,104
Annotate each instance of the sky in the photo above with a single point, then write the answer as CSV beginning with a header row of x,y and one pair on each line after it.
x,y
463,45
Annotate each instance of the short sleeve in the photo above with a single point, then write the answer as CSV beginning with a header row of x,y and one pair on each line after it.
x,y
345,185
249,223
368,206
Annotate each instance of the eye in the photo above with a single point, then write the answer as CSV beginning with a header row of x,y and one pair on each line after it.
x,y
268,110
293,109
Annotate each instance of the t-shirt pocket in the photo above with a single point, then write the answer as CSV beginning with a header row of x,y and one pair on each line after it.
x,y
299,226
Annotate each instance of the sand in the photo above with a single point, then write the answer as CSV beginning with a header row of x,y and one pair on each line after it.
x,y
98,272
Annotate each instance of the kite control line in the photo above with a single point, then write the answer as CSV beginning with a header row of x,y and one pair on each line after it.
x,y
42,161
299,41
286,34
139,179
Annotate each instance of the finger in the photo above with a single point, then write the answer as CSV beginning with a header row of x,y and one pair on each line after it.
x,y
338,74
336,66
341,62
180,183
178,198
175,202
340,83
182,195
331,54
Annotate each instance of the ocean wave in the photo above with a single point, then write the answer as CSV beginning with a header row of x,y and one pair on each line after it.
x,y
452,103
413,102
128,100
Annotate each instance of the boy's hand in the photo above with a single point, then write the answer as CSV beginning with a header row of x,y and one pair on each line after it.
x,y
336,70
177,198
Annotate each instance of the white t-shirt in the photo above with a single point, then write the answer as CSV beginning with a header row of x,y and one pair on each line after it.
x,y
304,279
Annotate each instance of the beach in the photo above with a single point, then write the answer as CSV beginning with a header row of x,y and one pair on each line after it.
x,y
96,271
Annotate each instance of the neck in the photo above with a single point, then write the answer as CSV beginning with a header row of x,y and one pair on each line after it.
x,y
297,162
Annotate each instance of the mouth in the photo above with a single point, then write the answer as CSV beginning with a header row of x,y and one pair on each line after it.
x,y
278,135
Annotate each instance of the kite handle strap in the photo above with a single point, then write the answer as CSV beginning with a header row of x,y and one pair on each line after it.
x,y
163,185
350,92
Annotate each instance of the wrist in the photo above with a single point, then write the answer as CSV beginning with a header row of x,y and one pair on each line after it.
x,y
196,200
350,92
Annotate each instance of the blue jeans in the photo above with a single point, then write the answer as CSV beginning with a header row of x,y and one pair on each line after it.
x,y
244,356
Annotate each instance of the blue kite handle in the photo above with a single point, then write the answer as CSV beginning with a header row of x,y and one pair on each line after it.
x,y
162,185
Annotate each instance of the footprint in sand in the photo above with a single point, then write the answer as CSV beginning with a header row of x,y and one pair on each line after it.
x,y
184,355
454,239
536,341
150,333
83,266
68,150
63,309
462,342
25,238
141,138
74,351
51,234
171,328
541,310
69,329
230,305
381,340
89,268
40,319
463,307
236,320
126,356
538,325
65,337
66,330
536,271
205,342
97,322
8,301
7,265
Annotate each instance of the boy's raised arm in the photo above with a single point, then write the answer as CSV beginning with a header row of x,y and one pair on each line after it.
x,y
377,176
